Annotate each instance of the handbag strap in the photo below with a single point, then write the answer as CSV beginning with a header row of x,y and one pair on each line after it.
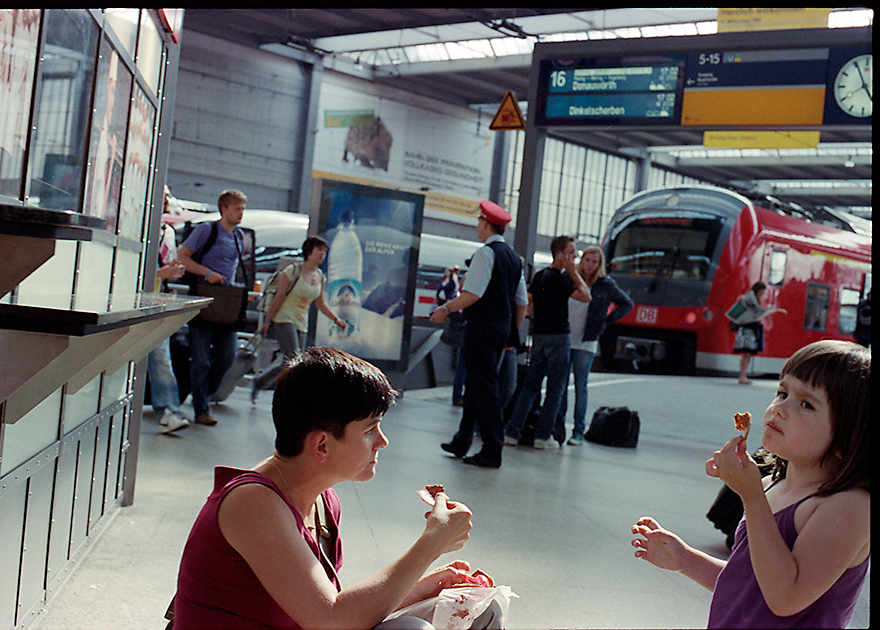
x,y
240,258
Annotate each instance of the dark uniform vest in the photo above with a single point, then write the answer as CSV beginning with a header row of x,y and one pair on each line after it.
x,y
493,315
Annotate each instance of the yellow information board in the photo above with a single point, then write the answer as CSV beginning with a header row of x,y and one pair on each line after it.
x,y
764,19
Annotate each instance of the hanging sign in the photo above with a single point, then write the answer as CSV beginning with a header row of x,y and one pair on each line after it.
x,y
508,115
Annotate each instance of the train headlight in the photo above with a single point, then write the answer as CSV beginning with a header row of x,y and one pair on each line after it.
x,y
708,314
690,317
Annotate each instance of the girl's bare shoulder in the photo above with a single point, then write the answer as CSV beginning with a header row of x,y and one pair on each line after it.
x,y
850,508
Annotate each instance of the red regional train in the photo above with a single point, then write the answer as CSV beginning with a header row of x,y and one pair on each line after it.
x,y
685,255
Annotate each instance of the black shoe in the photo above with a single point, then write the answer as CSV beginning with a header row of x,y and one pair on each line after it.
x,y
454,449
483,461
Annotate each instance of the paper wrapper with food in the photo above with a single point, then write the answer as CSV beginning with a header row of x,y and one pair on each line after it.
x,y
457,608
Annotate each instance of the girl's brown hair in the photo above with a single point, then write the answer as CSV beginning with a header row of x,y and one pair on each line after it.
x,y
843,370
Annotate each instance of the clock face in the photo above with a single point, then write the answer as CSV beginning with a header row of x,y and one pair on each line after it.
x,y
854,87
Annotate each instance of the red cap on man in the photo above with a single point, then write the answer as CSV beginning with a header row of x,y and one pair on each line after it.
x,y
493,213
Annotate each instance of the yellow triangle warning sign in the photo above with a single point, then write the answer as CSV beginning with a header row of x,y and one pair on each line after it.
x,y
508,115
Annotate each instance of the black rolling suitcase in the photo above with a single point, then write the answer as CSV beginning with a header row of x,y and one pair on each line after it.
x,y
245,359
614,426
527,436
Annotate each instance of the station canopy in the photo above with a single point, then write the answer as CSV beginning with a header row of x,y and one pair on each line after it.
x,y
473,57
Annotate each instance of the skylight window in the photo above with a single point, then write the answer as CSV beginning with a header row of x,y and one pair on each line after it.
x,y
507,46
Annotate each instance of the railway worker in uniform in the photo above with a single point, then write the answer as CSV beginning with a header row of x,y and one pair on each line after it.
x,y
494,294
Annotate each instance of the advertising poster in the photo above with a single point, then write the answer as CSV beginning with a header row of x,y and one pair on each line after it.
x,y
365,136
370,270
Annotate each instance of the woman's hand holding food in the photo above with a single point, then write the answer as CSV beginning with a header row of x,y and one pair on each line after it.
x,y
449,524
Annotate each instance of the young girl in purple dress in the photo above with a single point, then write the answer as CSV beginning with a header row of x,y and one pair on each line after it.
x,y
800,554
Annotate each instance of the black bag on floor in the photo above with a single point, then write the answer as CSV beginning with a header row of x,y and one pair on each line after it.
x,y
614,426
726,513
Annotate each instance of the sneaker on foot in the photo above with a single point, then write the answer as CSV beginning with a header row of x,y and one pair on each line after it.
x,y
575,440
206,419
509,441
546,444
172,422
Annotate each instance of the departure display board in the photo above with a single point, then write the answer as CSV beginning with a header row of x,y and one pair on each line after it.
x,y
716,82
629,90
756,88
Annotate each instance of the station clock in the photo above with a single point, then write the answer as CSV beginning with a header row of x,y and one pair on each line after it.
x,y
854,86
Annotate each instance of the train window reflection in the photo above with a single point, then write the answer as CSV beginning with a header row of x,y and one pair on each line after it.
x,y
777,267
816,308
668,247
849,301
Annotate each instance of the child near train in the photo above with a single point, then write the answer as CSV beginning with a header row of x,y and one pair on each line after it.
x,y
801,552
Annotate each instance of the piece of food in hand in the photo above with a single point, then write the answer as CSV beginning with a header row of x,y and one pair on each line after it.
x,y
477,578
429,492
743,422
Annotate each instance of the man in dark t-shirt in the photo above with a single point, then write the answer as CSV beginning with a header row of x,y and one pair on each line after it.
x,y
548,292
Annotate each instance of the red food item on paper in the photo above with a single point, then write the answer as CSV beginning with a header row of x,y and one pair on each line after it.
x,y
477,578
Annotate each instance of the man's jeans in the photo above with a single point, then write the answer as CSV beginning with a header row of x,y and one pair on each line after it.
x,y
548,357
212,352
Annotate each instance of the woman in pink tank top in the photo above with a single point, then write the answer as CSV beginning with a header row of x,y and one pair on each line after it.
x,y
265,552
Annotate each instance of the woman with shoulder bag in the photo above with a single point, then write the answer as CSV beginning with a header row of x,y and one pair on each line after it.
x,y
287,316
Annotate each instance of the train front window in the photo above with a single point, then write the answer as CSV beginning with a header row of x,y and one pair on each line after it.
x,y
665,246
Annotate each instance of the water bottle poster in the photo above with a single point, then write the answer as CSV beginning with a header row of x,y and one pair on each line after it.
x,y
370,270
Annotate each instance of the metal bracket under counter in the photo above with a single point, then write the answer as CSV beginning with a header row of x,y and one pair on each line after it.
x,y
28,235
42,346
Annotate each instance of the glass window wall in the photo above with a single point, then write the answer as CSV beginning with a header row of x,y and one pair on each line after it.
x,y
65,85
19,36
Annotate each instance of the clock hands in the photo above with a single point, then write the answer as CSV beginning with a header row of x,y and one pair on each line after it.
x,y
864,83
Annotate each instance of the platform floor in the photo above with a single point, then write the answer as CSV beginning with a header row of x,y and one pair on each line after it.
x,y
554,525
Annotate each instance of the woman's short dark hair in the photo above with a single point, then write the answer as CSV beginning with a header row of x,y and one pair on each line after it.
x,y
311,243
324,389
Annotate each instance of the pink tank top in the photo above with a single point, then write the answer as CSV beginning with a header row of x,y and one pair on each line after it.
x,y
215,586
737,601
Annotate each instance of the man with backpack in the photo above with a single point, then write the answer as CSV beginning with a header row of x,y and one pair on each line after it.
x,y
212,253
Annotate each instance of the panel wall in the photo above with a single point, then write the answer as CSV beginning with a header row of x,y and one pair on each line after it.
x,y
238,123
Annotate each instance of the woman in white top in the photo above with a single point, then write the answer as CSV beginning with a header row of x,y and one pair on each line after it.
x,y
587,321
287,317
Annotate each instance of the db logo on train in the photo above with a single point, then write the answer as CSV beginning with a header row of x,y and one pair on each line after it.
x,y
646,315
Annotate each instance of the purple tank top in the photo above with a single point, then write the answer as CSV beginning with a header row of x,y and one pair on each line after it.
x,y
737,601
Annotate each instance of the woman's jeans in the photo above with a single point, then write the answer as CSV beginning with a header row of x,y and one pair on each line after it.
x,y
581,363
163,383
